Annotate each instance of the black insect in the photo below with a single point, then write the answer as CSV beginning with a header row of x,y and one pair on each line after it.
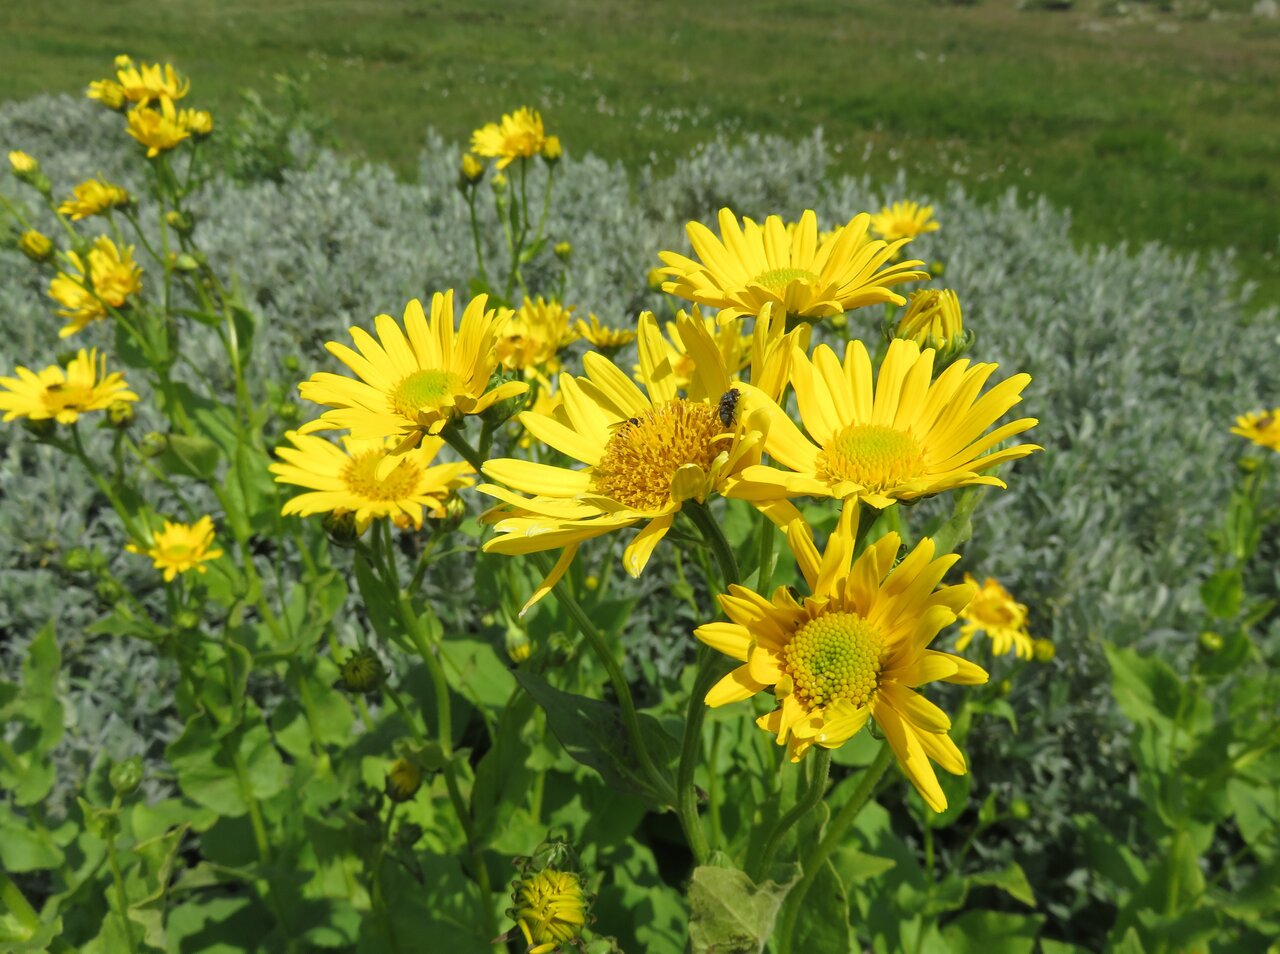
x,y
728,406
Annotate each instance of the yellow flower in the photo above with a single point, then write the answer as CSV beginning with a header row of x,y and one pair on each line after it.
x,y
751,266
534,336
856,648
158,130
198,122
472,169
63,395
108,280
550,909
646,454
903,220
417,383
995,612
905,439
518,136
35,245
365,478
142,84
93,196
602,337
1261,427
180,547
933,320
546,404
108,92
551,149
22,162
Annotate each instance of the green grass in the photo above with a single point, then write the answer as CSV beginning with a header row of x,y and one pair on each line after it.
x,y
1146,128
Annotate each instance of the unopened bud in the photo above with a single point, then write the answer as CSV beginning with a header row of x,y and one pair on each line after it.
x,y
404,778
186,262
592,582
1043,650
1020,809
153,444
495,415
499,183
109,93
1210,643
932,319
519,648
108,590
120,414
36,246
181,222
936,269
1247,465
186,621
342,529
126,776
291,363
1004,687
840,321
77,560
470,170
455,511
362,673
23,164
655,278
408,834
563,251
552,150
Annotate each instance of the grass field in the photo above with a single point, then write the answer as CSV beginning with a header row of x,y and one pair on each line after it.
x,y
1148,126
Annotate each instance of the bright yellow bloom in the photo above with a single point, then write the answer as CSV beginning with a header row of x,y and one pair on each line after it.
x,y
108,92
903,220
550,909
63,395
601,337
995,612
157,129
907,438
646,454
35,245
110,277
519,136
416,383
1261,427
534,336
198,122
22,162
93,196
856,648
180,547
142,84
366,478
751,266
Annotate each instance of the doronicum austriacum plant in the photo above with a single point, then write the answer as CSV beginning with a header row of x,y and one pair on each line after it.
x,y
798,449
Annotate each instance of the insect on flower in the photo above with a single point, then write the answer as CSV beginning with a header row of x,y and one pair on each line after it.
x,y
728,406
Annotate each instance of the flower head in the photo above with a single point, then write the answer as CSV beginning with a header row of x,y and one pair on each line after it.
x,y
601,337
470,169
904,439
519,136
198,122
933,320
903,220
107,279
146,83
855,649
750,266
404,778
157,129
63,395
92,197
1261,427
21,162
108,92
995,612
365,478
35,245
417,378
551,149
179,547
550,909
535,335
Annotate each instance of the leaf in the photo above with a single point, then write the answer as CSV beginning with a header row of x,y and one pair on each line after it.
x,y
1048,946
1146,688
191,456
15,938
992,932
856,867
823,925
475,670
206,764
1223,593
592,732
729,914
1012,880
24,847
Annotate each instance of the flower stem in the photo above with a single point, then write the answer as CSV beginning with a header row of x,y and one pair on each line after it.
x,y
809,801
715,539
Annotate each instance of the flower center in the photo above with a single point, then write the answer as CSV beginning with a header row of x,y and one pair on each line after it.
x,y
834,657
645,452
779,278
60,397
362,480
878,458
424,390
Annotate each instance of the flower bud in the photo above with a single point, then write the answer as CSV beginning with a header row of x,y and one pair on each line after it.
x,y
1210,643
404,778
1004,687
341,528
1020,809
592,582
936,269
552,150
1043,650
408,834
550,908
109,93
291,363
77,560
186,621
198,122
23,164
185,262
1247,465
362,673
563,251
471,170
932,320
123,61
126,776
499,183
153,444
655,278
181,222
495,415
519,648
36,246
120,414
109,590
840,321
455,511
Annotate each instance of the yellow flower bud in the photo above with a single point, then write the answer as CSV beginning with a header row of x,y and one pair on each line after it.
x,y
472,169
550,909
35,246
563,251
404,778
932,320
1043,650
123,61
22,163
109,93
1210,643
551,149
840,321
655,278
519,648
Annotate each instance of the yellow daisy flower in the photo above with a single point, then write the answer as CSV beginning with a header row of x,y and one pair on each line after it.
x,y
519,136
180,547
751,266
1261,427
995,612
142,84
534,336
903,220
198,122
907,438
107,280
646,454
550,909
63,395
108,92
416,383
601,337
157,129
92,197
366,478
856,648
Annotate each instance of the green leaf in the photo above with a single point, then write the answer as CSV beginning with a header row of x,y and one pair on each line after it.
x,y
1146,688
592,732
1048,946
1012,880
15,938
1223,592
992,932
476,672
731,915
191,456
24,847
856,867
1257,812
206,764
823,925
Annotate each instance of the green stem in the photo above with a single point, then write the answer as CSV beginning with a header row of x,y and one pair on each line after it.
x,y
18,905
117,876
77,448
453,436
475,235
813,795
835,833
691,754
715,539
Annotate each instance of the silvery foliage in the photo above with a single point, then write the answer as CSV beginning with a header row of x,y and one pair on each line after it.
x,y
1140,359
